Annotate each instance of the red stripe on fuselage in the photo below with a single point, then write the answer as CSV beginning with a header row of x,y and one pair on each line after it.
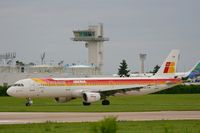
x,y
79,82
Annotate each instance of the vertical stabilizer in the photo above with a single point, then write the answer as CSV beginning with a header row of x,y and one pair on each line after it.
x,y
168,68
194,72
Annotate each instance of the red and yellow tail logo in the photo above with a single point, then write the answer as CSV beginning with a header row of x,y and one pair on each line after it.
x,y
169,67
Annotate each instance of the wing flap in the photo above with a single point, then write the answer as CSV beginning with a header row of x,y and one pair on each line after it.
x,y
109,92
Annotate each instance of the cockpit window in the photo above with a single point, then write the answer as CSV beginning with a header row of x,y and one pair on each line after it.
x,y
18,85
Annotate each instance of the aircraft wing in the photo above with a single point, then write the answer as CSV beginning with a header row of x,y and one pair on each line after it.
x,y
109,92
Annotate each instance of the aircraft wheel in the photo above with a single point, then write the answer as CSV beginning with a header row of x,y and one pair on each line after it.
x,y
29,102
86,104
105,102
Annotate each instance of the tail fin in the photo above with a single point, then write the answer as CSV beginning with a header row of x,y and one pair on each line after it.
x,y
168,68
194,72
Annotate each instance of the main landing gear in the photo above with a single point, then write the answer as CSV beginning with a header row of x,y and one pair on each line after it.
x,y
29,102
105,102
86,104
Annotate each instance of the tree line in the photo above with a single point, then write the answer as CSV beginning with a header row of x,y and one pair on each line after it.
x,y
123,70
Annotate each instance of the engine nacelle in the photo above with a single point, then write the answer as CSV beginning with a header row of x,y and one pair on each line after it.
x,y
90,97
63,99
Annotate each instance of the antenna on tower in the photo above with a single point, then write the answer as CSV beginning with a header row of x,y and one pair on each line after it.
x,y
42,58
7,58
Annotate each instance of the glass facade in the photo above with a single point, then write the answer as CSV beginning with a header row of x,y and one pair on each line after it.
x,y
84,34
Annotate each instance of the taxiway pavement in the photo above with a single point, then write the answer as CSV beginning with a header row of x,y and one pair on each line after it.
x,y
40,117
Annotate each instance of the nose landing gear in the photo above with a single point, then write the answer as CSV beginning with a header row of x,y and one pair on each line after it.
x,y
29,102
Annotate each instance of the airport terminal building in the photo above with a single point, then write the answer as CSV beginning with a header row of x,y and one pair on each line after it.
x,y
10,74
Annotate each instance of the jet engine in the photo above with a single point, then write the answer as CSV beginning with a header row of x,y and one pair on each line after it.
x,y
63,99
90,97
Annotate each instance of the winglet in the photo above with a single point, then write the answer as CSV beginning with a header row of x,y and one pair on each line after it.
x,y
168,68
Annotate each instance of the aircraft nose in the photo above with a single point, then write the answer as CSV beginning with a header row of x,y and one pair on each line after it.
x,y
10,91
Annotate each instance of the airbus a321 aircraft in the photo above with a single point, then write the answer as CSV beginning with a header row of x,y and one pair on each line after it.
x,y
95,89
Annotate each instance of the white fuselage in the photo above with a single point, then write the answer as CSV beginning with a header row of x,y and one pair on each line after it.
x,y
32,88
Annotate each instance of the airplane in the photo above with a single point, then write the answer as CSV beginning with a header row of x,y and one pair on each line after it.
x,y
195,72
97,88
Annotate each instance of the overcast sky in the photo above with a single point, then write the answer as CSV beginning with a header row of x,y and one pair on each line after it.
x,y
154,27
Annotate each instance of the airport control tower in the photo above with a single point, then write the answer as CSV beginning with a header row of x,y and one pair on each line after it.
x,y
93,38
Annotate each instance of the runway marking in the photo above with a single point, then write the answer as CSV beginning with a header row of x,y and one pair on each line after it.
x,y
41,117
